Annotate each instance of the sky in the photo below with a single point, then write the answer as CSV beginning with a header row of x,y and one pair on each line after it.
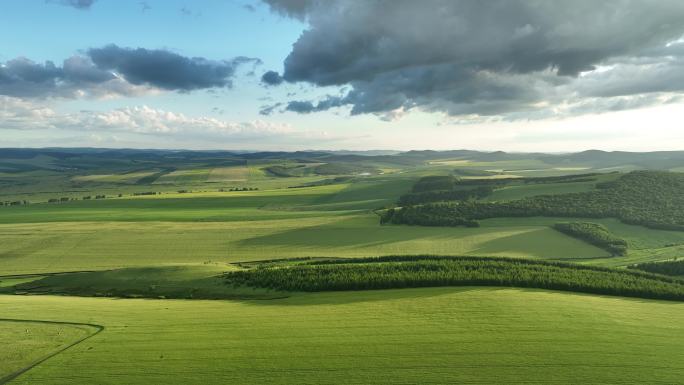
x,y
511,75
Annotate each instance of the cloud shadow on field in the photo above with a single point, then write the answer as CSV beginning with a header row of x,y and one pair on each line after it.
x,y
346,233
540,241
364,233
358,296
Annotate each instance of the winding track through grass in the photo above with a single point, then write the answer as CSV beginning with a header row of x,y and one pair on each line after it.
x,y
430,336
9,377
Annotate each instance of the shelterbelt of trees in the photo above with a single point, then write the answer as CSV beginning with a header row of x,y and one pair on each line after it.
x,y
672,268
430,271
596,234
650,198
450,188
445,195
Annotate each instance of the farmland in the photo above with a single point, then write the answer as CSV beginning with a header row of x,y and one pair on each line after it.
x,y
170,227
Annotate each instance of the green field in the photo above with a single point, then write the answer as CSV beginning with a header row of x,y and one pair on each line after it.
x,y
27,343
69,246
467,335
174,246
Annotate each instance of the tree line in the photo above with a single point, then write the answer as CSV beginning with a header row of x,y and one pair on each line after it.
x,y
14,203
445,195
431,271
673,268
595,234
649,198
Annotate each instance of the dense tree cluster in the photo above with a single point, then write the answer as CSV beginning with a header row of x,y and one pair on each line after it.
x,y
434,183
431,271
414,215
672,268
450,188
445,188
445,195
596,234
239,189
14,203
649,198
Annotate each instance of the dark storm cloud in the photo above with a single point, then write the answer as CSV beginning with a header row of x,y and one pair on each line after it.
x,y
164,69
305,107
292,8
269,109
271,78
78,4
479,57
116,70
25,78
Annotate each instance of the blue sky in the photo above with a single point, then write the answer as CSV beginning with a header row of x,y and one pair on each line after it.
x,y
359,76
214,29
217,30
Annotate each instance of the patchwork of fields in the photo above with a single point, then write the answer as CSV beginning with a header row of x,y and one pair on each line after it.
x,y
192,226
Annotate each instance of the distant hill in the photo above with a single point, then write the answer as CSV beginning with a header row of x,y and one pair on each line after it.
x,y
88,158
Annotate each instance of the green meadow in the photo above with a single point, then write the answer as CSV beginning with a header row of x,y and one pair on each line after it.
x,y
432,336
27,343
116,289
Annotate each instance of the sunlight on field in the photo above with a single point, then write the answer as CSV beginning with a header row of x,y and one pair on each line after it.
x,y
85,245
114,178
221,174
463,335
451,162
25,342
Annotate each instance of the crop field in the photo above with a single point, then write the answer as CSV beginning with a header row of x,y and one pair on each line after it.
x,y
117,289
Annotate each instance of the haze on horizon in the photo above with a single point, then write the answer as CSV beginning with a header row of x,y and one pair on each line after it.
x,y
512,75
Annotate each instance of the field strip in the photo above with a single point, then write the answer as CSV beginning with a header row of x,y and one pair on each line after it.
x,y
30,275
37,362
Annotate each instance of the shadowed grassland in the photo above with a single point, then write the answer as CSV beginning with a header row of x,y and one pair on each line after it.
x,y
428,336
637,237
72,246
185,282
430,271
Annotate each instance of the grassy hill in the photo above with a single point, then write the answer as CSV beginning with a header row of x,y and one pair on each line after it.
x,y
435,335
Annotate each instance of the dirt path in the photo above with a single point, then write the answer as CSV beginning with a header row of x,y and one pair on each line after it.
x,y
11,376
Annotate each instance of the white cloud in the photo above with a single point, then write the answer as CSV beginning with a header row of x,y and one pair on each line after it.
x,y
151,127
147,120
16,113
